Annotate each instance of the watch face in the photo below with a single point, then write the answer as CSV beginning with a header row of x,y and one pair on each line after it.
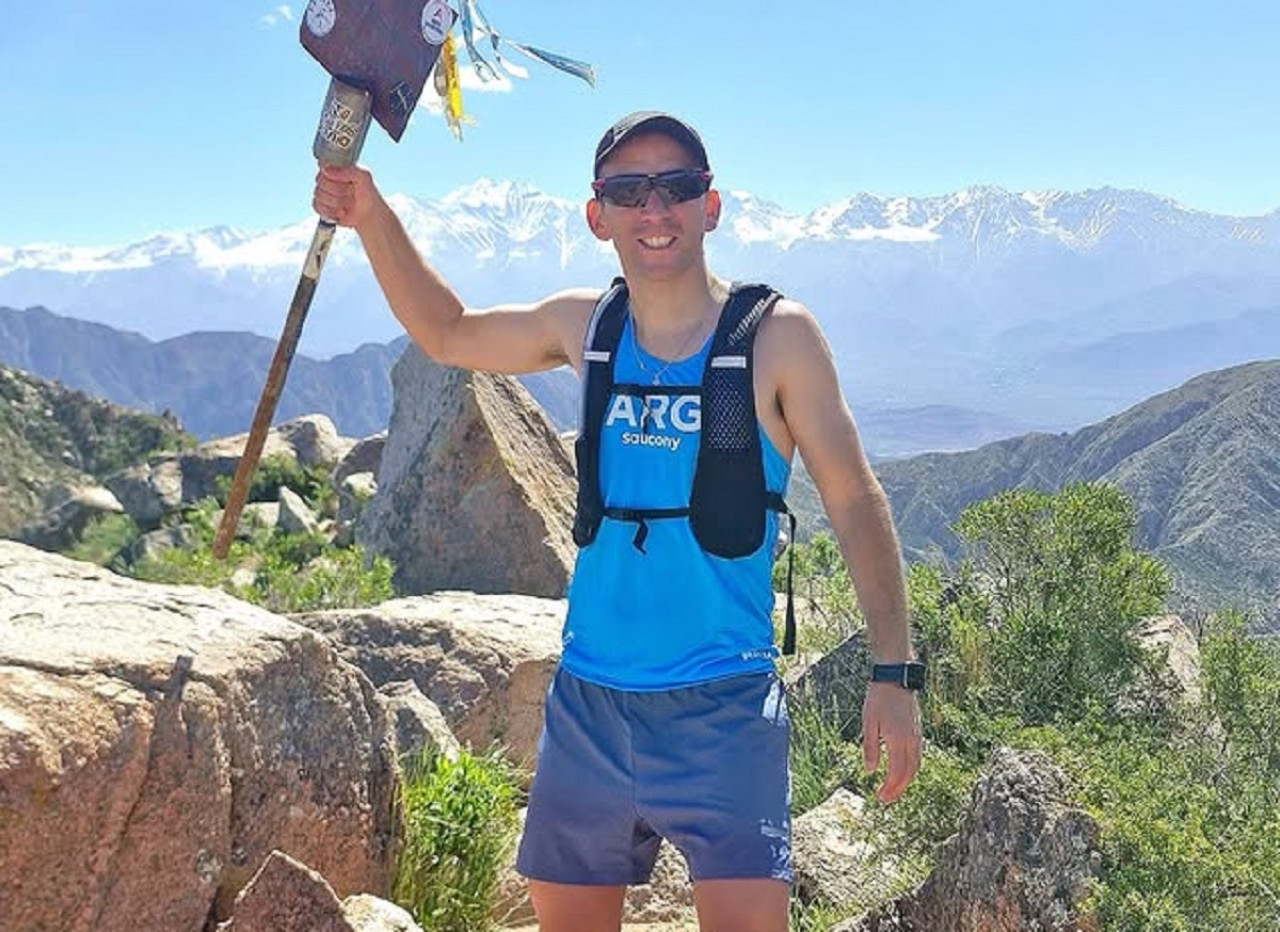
x,y
915,676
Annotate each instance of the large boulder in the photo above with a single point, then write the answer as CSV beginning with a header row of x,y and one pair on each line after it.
x,y
475,488
485,660
148,491
158,742
1024,858
420,728
309,441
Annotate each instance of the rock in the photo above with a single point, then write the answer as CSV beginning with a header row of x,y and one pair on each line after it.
x,y
485,660
287,896
154,543
148,492
364,456
355,492
420,727
309,441
836,859
370,914
256,515
215,460
475,489
294,516
63,525
1170,635
836,683
1024,859
315,440
157,742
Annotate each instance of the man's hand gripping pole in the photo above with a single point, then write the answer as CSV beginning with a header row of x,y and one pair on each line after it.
x,y
344,122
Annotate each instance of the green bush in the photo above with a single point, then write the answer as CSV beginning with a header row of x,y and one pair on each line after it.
x,y
821,759
292,572
1052,592
105,541
284,471
460,822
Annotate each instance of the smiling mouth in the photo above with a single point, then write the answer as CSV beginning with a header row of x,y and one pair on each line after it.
x,y
657,242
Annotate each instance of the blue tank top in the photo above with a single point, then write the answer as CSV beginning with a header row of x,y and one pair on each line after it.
x,y
672,615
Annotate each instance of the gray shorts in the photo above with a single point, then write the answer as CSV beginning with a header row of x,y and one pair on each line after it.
x,y
703,766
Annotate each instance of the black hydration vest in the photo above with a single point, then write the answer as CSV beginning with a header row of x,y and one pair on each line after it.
x,y
727,507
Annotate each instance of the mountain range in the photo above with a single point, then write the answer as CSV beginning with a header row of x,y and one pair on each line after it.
x,y
1200,463
1048,310
211,382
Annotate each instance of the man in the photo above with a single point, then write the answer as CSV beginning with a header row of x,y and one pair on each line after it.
x,y
666,719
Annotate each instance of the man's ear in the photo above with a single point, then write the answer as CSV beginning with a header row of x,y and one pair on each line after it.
x,y
711,214
595,220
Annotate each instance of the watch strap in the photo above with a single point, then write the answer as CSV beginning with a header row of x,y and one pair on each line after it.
x,y
909,675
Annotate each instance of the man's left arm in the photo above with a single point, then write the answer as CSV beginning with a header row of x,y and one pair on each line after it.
x,y
819,420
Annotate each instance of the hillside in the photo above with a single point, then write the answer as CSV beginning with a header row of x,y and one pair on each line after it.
x,y
50,435
212,381
1201,464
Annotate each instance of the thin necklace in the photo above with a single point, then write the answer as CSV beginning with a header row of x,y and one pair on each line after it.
x,y
656,377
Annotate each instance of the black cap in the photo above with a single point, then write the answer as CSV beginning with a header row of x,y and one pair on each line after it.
x,y
651,121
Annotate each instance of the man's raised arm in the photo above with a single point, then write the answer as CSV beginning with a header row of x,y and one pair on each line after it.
x,y
510,338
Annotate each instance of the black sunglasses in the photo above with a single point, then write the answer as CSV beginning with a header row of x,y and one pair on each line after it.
x,y
674,187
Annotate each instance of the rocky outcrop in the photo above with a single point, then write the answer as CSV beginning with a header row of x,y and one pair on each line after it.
x,y
61,526
836,684
420,728
484,660
364,456
1023,859
158,742
287,896
471,462
837,859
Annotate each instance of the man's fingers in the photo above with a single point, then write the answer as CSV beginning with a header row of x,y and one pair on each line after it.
x,y
904,762
870,746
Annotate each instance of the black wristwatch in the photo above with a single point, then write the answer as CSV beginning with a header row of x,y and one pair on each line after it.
x,y
909,675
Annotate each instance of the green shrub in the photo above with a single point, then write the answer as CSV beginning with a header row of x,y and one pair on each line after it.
x,y
292,572
821,759
1053,591
336,579
279,471
460,822
105,541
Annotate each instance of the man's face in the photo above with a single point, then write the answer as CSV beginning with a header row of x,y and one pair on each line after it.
x,y
656,239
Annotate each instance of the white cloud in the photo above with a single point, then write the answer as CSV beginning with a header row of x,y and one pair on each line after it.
x,y
430,100
281,14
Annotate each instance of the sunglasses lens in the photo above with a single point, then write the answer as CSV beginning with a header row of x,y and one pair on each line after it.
x,y
625,190
674,187
683,185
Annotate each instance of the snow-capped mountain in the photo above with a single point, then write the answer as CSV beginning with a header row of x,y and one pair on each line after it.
x,y
961,298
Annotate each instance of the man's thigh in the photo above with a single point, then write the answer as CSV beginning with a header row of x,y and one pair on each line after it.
x,y
564,907
711,764
741,905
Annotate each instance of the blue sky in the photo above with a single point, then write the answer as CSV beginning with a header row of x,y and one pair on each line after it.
x,y
127,117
